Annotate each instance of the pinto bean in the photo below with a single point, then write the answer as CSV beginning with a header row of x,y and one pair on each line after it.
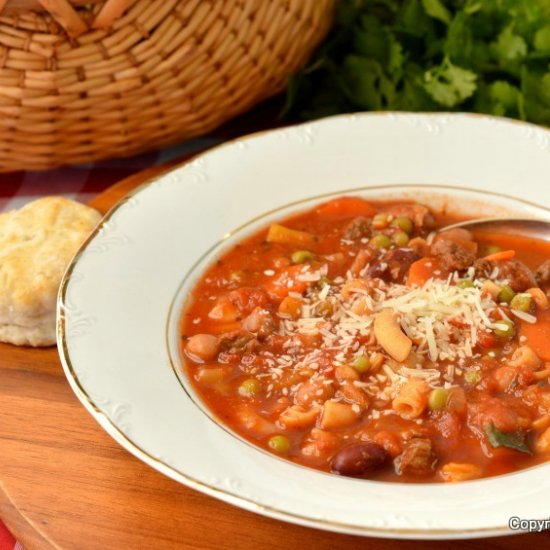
x,y
203,346
359,459
257,320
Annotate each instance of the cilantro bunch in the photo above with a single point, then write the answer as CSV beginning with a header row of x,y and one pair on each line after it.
x,y
487,56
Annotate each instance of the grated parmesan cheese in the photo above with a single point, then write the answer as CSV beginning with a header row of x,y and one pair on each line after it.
x,y
527,317
442,320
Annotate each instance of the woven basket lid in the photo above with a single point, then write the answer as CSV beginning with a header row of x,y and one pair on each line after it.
x,y
81,81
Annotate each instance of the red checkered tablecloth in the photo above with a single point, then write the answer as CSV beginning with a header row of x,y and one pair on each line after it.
x,y
80,183
7,542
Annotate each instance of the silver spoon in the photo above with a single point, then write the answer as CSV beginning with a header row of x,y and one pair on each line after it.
x,y
521,227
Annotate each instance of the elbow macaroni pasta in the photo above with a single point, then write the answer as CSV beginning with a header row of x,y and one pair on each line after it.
x,y
412,399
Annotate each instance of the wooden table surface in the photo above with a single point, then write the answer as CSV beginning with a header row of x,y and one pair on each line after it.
x,y
64,483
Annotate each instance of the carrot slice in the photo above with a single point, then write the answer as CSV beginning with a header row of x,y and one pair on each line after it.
x,y
501,256
422,270
346,207
537,335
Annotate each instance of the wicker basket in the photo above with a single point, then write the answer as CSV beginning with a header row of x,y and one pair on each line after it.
x,y
83,80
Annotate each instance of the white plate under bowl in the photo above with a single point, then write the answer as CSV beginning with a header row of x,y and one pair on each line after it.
x,y
121,297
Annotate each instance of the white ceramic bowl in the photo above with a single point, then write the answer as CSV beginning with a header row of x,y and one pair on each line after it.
x,y
122,296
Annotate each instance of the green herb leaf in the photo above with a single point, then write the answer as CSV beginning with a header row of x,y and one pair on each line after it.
x,y
535,87
363,78
542,39
489,56
412,18
449,85
505,94
435,9
511,440
509,46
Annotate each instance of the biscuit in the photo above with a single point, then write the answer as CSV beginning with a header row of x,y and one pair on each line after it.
x,y
37,243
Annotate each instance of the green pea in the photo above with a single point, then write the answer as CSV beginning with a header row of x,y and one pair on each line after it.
x,y
506,294
301,257
437,399
401,239
465,283
250,387
361,364
380,241
381,220
405,224
472,377
506,329
279,443
522,302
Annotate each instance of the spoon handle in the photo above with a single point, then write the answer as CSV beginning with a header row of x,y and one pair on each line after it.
x,y
522,227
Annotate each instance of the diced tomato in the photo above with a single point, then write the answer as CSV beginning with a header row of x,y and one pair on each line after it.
x,y
486,339
345,207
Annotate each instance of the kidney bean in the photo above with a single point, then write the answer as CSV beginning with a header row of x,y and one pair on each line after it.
x,y
359,459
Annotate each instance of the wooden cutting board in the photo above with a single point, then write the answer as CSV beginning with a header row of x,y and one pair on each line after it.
x,y
64,483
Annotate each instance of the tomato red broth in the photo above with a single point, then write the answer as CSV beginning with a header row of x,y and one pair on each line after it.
x,y
289,338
